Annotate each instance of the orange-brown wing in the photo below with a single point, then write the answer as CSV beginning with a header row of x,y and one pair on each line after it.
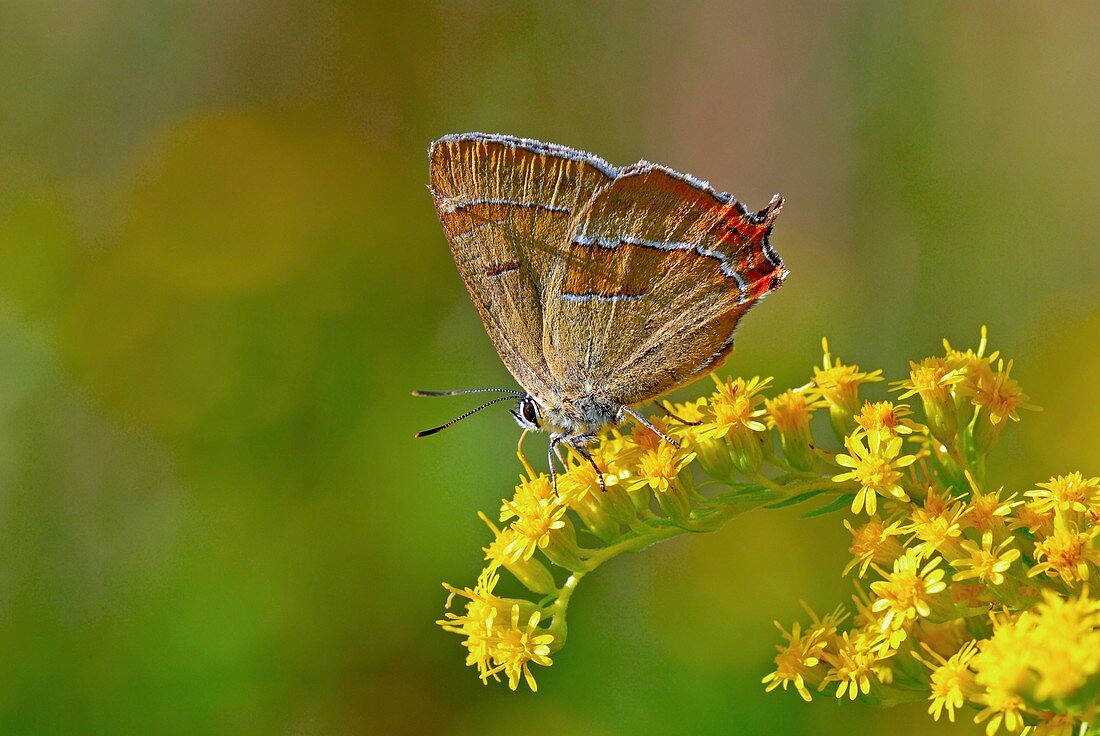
x,y
659,270
506,205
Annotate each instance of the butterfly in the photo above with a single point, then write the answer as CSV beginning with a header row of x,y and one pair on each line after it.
x,y
601,287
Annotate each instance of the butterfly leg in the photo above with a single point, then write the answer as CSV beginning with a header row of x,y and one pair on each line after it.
x,y
668,413
558,455
646,423
555,440
578,443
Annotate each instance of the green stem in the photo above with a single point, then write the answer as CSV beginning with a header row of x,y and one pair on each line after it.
x,y
660,529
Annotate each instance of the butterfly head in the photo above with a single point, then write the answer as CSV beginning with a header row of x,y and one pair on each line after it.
x,y
527,413
582,415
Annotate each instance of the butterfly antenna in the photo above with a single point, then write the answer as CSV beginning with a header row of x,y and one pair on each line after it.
x,y
460,392
476,409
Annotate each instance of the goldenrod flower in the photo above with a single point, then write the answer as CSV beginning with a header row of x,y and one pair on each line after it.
x,y
796,660
480,622
534,525
908,590
1066,493
875,467
734,413
1000,707
517,646
936,524
952,682
790,414
998,393
997,396
733,407
986,511
884,418
1028,517
1002,671
968,360
712,452
1067,553
987,562
869,624
659,470
827,625
1064,644
495,551
933,379
531,572
531,492
853,664
838,384
937,501
538,518
601,510
1002,662
617,456
687,416
875,541
644,438
1055,724
1045,655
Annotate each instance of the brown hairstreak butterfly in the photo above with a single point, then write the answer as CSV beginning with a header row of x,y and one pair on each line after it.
x,y
600,287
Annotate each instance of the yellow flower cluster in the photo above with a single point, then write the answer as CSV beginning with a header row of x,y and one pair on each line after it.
x,y
976,597
969,595
652,490
501,636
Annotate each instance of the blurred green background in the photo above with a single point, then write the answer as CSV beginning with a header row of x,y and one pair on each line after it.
x,y
221,274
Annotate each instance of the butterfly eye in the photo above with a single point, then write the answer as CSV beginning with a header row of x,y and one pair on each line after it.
x,y
530,412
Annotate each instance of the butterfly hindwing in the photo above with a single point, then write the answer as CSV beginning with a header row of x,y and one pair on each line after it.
x,y
657,271
506,205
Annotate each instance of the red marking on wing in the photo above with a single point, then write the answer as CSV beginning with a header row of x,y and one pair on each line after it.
x,y
496,269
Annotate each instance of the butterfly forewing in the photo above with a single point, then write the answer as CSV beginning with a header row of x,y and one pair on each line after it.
x,y
657,271
506,205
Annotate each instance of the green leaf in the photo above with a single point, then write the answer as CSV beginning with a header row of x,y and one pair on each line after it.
x,y
746,493
842,501
797,498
